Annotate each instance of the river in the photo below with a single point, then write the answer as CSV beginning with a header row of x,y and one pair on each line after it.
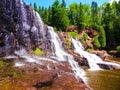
x,y
104,79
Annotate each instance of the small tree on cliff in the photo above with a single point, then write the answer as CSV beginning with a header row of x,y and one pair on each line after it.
x,y
35,7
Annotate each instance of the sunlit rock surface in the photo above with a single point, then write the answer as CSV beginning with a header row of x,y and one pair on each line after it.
x,y
20,26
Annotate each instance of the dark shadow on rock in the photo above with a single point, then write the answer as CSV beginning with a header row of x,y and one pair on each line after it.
x,y
46,83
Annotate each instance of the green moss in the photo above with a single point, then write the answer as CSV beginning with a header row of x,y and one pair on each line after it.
x,y
38,52
84,38
1,63
74,34
8,70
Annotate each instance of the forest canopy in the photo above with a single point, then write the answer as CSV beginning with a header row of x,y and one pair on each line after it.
x,y
105,19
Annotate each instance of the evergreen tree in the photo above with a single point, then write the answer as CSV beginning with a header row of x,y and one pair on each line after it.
x,y
35,7
73,13
80,19
59,16
94,12
107,22
102,37
30,4
87,14
63,4
116,22
49,15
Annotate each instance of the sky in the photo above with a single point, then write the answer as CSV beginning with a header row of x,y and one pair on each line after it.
x,y
47,3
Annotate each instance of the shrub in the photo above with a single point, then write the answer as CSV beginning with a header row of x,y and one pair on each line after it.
x,y
96,42
102,36
84,37
95,26
74,34
118,48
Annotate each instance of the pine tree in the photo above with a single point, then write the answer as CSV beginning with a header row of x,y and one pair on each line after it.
x,y
80,19
102,36
107,22
73,13
94,12
63,4
59,16
35,7
49,15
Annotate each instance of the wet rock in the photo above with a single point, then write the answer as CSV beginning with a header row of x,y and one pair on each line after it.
x,y
102,54
45,83
20,26
107,67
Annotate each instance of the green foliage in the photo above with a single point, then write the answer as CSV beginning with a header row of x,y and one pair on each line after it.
x,y
80,18
60,19
89,50
1,63
55,29
63,3
35,7
118,48
94,26
74,34
73,13
84,38
96,42
102,37
94,12
7,70
105,19
38,51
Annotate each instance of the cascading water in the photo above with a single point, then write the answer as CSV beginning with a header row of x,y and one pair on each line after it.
x,y
23,11
92,59
30,58
62,55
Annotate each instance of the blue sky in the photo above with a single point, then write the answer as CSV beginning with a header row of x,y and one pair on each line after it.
x,y
47,3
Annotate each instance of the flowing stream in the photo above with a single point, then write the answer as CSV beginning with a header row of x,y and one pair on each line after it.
x,y
92,59
104,79
97,78
62,55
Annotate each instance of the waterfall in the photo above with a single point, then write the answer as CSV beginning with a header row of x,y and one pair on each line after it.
x,y
62,55
23,11
92,59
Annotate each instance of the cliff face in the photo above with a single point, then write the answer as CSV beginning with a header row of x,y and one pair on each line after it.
x,y
20,26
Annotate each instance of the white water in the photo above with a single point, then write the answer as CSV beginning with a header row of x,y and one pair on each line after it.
x,y
62,55
92,59
22,53
39,22
23,10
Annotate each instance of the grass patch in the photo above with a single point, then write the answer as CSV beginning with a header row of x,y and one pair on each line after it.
x,y
89,50
1,63
7,70
74,34
38,51
84,38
